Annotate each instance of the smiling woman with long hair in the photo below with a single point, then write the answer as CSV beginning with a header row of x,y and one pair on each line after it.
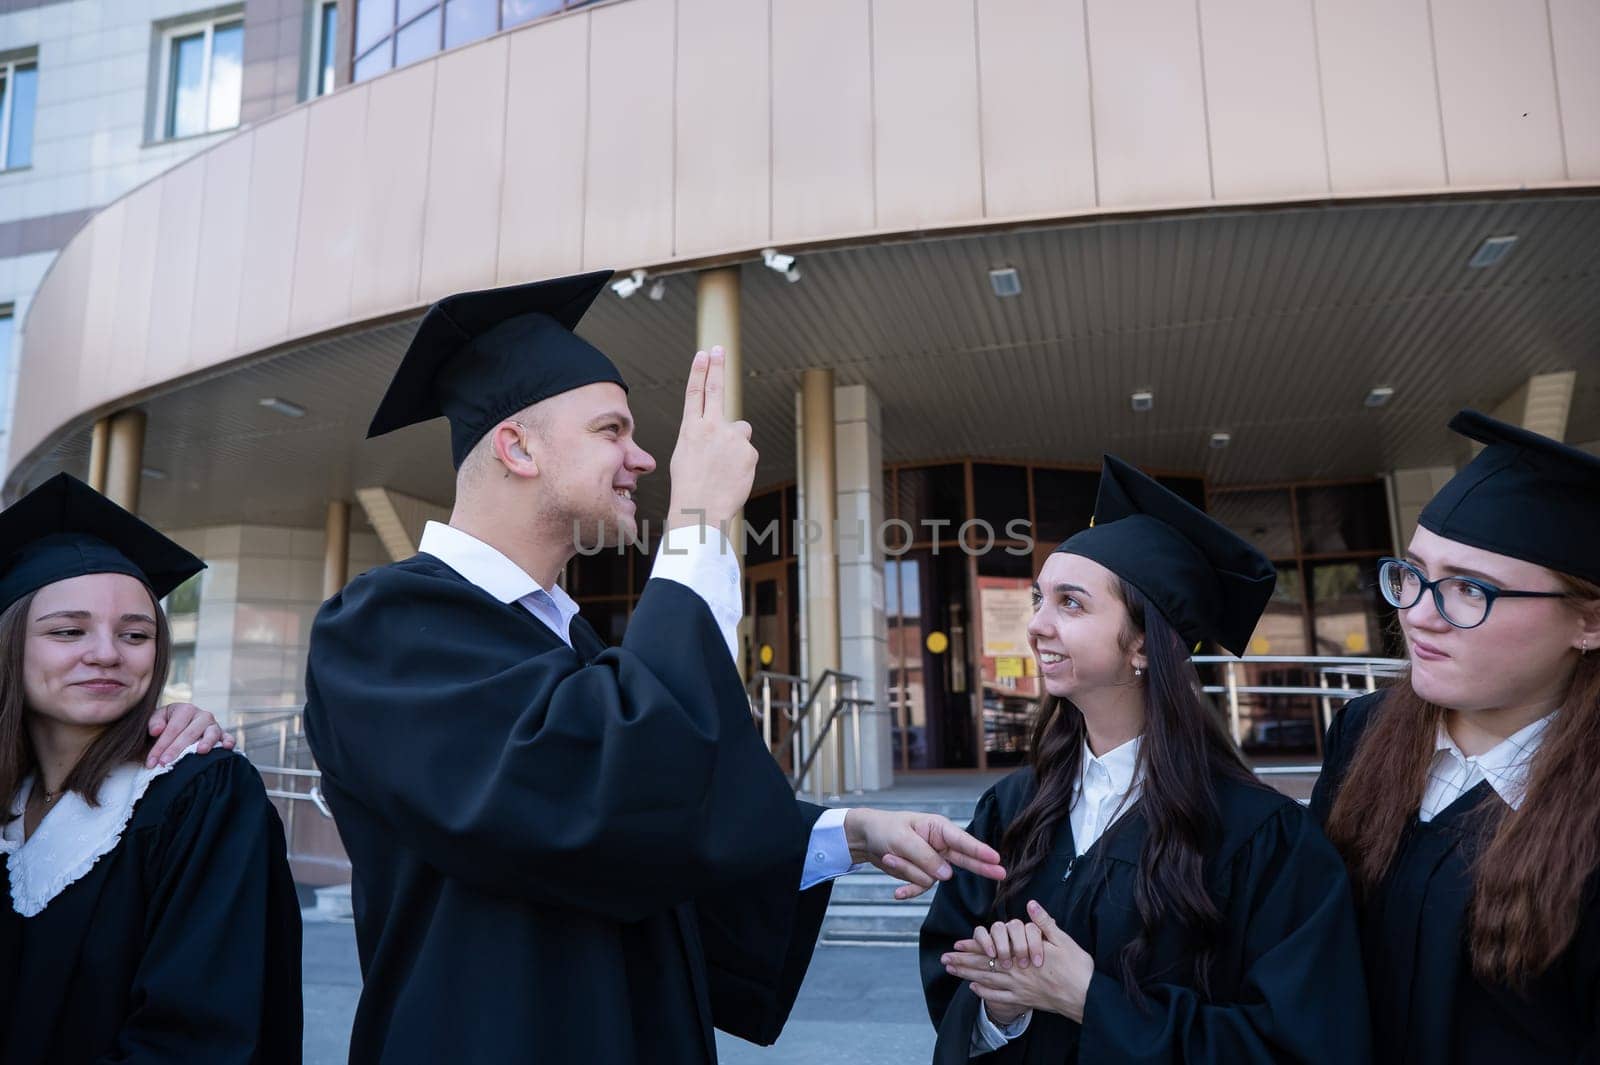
x,y
149,911
1464,798
1160,904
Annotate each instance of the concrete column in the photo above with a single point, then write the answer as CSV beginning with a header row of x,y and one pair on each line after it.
x,y
126,459
819,552
717,322
336,552
1541,404
99,452
863,631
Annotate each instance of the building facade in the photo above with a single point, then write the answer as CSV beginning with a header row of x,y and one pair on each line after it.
x,y
957,248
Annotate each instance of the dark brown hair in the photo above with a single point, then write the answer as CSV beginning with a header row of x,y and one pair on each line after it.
x,y
1184,745
125,740
1528,882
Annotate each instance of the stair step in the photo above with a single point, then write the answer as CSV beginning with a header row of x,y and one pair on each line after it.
x,y
333,903
874,923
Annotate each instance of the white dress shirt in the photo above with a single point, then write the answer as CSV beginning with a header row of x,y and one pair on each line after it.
x,y
1505,766
1105,788
698,557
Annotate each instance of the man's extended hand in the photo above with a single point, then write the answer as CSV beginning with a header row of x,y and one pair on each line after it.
x,y
713,462
916,847
177,725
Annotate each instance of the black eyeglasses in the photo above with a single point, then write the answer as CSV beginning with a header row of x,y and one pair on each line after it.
x,y
1462,601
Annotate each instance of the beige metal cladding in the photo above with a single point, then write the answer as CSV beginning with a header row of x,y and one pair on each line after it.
x,y
653,132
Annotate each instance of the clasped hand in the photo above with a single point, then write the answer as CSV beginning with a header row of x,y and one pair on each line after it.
x,y
1037,966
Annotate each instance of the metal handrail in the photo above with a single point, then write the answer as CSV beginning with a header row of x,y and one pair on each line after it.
x,y
1369,670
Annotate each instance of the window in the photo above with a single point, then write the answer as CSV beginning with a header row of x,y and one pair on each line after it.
x,y
321,56
19,88
392,33
202,66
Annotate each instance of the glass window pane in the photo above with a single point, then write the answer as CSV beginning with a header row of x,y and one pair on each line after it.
x,y
467,20
374,62
410,9
929,495
1000,497
1063,501
374,19
1346,517
516,12
764,535
1350,616
186,100
1263,517
227,59
330,37
418,40
604,572
24,90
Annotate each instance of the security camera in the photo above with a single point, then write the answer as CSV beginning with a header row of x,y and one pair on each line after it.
x,y
777,260
629,285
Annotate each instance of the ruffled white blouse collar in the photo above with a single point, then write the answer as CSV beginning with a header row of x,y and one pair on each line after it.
x,y
72,836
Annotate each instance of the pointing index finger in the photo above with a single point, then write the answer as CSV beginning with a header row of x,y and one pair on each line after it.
x,y
716,376
694,394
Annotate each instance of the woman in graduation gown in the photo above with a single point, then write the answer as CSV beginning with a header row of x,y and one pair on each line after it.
x,y
1464,797
150,915
1161,904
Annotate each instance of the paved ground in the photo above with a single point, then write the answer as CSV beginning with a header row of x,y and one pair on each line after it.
x,y
860,1005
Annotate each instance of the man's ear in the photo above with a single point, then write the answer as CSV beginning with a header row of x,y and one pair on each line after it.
x,y
511,450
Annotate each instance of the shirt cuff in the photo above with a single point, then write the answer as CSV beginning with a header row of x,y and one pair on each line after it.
x,y
988,1036
827,851
701,559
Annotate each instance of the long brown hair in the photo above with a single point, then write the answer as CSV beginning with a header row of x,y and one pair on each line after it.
x,y
1529,881
1184,745
125,740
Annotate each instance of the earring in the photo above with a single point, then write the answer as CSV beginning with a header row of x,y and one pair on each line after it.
x,y
1138,672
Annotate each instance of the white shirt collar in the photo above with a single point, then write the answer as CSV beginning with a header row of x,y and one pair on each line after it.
x,y
72,837
487,568
1119,764
1505,765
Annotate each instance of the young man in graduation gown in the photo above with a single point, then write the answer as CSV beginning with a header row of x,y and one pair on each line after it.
x,y
563,851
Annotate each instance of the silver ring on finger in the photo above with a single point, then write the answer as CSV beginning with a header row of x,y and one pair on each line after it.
x,y
991,965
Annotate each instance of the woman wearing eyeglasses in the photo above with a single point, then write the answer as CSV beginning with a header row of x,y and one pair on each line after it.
x,y
1464,799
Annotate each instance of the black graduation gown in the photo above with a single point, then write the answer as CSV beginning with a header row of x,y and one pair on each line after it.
x,y
1286,981
560,855
181,944
1427,1004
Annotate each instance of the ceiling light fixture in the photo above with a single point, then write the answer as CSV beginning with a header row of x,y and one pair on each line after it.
x,y
1491,251
153,474
658,289
1005,281
783,263
1379,396
283,407
1142,400
1221,440
629,285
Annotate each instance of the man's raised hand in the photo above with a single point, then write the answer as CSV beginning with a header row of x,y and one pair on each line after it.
x,y
713,463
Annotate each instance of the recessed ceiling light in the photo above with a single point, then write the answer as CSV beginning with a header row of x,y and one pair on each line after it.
x,y
1492,251
1142,400
153,473
283,406
1005,281
1379,396
1221,440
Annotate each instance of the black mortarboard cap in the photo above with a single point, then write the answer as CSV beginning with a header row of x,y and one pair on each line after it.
x,y
1207,581
479,357
1524,495
66,529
